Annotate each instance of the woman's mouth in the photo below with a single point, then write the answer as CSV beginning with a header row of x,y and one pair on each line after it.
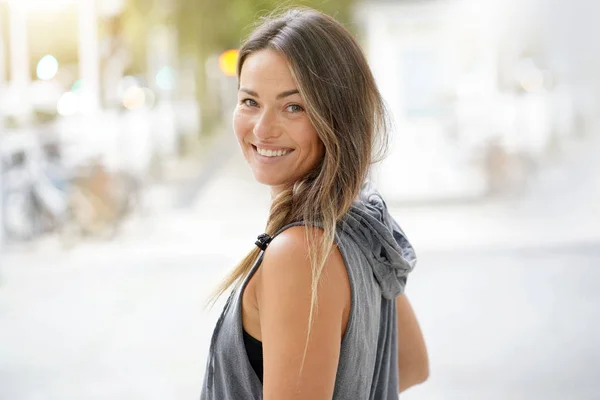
x,y
271,153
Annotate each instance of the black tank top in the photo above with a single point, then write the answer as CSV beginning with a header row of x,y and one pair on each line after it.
x,y
255,354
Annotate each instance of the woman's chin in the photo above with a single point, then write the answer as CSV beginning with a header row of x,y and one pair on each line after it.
x,y
269,180
266,179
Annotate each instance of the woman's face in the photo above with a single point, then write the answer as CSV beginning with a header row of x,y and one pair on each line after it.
x,y
272,127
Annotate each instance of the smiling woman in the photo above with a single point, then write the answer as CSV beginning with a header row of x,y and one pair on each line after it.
x,y
317,307
274,131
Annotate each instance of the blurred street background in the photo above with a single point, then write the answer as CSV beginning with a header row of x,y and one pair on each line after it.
x,y
124,198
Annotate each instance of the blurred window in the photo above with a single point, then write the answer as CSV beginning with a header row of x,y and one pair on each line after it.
x,y
422,82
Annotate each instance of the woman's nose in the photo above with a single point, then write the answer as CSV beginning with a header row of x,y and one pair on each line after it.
x,y
266,126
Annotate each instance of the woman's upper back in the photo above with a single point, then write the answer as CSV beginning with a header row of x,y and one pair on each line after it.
x,y
377,258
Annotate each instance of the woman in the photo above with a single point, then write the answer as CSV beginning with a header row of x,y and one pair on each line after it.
x,y
317,311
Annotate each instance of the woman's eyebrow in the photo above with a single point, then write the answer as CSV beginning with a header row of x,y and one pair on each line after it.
x,y
279,96
287,93
250,92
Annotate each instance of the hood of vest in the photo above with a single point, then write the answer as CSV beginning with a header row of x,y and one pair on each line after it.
x,y
380,238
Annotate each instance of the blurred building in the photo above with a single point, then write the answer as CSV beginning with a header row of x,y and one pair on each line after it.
x,y
65,65
475,97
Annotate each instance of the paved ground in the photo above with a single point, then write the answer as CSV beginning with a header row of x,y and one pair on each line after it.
x,y
510,324
118,331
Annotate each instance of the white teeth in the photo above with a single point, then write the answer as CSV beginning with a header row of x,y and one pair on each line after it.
x,y
271,153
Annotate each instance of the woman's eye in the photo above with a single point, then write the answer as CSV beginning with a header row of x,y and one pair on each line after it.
x,y
295,108
249,103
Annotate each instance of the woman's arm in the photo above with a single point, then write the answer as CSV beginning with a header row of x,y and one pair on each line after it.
x,y
283,294
413,362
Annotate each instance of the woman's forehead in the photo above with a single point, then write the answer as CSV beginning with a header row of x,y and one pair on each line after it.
x,y
266,68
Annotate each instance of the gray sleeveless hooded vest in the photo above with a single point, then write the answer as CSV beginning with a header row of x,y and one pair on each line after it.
x,y
378,258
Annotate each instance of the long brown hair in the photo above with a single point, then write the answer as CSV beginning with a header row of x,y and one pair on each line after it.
x,y
347,111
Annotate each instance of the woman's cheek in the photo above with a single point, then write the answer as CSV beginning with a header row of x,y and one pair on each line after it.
x,y
238,124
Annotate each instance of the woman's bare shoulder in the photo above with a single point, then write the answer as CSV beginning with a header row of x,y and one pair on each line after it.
x,y
284,301
286,277
288,255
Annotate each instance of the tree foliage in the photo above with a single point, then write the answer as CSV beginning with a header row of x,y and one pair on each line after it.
x,y
217,26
